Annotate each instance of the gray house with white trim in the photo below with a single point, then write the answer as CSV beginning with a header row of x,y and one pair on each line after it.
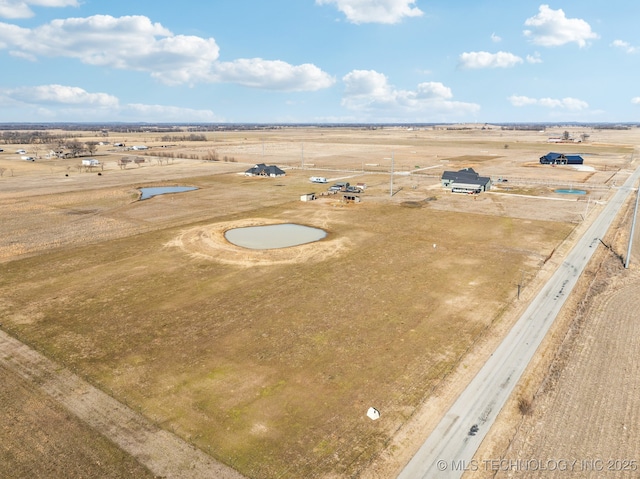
x,y
465,181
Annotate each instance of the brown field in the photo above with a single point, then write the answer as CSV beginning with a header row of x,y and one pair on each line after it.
x,y
581,414
269,360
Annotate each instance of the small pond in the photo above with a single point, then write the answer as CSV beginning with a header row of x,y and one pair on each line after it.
x,y
163,190
571,192
274,236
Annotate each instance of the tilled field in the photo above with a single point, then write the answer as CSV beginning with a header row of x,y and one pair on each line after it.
x,y
585,423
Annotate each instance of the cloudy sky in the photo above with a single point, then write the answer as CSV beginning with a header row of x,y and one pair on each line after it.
x,y
317,61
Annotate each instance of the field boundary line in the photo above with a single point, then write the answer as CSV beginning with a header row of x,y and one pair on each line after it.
x,y
163,453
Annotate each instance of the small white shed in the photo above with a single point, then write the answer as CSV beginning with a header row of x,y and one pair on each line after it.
x,y
308,197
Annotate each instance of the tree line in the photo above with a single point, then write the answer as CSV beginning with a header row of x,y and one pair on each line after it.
x,y
31,137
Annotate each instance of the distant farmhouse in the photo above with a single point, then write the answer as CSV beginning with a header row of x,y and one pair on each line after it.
x,y
265,170
465,181
561,159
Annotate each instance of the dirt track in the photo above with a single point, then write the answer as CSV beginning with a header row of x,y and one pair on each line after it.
x,y
160,451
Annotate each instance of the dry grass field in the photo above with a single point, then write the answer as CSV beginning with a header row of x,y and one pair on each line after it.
x,y
269,359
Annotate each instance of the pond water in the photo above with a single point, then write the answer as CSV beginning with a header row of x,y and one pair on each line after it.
x,y
274,236
163,190
571,192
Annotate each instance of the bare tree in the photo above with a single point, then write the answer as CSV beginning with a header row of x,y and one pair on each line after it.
x,y
75,146
92,146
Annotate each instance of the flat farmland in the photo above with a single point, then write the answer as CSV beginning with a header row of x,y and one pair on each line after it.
x,y
267,360
580,418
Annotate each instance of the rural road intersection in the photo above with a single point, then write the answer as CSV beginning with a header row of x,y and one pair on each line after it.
x,y
449,451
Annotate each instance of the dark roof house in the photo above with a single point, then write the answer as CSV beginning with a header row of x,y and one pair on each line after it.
x,y
561,159
465,181
264,170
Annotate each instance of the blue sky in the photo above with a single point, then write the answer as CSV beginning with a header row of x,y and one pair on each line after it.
x,y
319,61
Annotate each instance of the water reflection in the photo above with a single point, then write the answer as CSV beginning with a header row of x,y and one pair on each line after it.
x,y
274,236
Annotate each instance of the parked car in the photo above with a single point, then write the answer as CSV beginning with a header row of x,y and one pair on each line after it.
x,y
339,186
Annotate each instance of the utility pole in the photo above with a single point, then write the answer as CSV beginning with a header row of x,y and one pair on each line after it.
x,y
391,185
586,210
520,284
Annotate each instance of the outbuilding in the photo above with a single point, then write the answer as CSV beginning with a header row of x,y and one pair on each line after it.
x,y
308,197
90,162
350,198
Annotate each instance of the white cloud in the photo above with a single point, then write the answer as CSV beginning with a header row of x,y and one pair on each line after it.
x,y
22,9
625,46
568,103
489,60
135,43
368,91
129,43
535,58
60,95
68,103
375,11
636,100
551,28
273,75
495,38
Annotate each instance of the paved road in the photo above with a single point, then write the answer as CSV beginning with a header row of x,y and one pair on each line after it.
x,y
450,448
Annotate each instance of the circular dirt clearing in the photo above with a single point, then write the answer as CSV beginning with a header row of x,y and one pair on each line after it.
x,y
209,242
